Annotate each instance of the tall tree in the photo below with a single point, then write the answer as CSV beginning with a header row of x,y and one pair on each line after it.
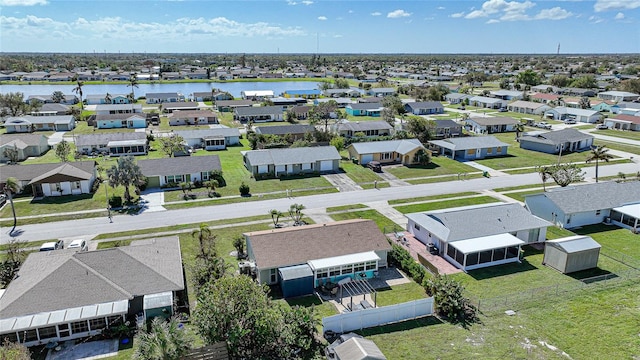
x,y
57,97
545,174
597,154
133,83
206,240
14,256
566,174
171,144
631,85
322,113
275,216
585,103
421,128
13,351
107,99
63,150
78,90
126,173
12,104
164,340
519,130
12,187
528,77
11,154
295,212
396,106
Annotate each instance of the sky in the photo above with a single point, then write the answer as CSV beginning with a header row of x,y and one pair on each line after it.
x,y
320,26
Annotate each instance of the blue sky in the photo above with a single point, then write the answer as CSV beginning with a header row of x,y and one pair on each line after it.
x,y
304,26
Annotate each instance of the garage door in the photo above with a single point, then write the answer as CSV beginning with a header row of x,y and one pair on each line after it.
x,y
326,165
367,159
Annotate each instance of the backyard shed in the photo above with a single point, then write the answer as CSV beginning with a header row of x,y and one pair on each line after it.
x,y
358,349
296,280
571,254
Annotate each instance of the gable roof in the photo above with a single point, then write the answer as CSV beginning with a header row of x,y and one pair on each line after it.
x,y
285,129
179,114
297,245
258,110
359,349
470,142
27,172
558,137
21,140
179,165
49,119
104,138
573,111
403,146
62,279
446,124
486,100
477,221
363,125
64,172
626,118
425,105
527,104
574,244
165,95
124,116
208,133
489,121
365,106
291,155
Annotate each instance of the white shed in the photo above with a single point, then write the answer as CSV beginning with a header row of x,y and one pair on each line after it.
x,y
571,254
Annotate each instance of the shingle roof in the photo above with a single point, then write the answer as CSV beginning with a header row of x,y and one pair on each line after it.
x,y
120,116
477,221
366,106
62,279
26,172
179,165
484,99
629,118
488,121
364,125
204,133
297,245
259,110
104,138
471,142
64,172
574,111
446,123
223,103
179,114
55,119
526,104
592,197
285,129
178,105
26,139
162,95
403,146
558,137
425,105
291,155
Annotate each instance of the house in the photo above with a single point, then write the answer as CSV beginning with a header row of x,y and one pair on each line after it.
x,y
545,98
528,107
349,129
258,114
115,121
211,96
626,108
180,106
579,115
338,93
424,107
301,112
113,143
624,122
618,96
169,172
52,110
403,151
211,139
30,123
577,92
601,105
581,205
571,254
544,88
65,294
303,94
277,162
106,99
478,236
106,109
256,94
331,251
470,148
53,179
230,105
490,125
48,99
287,103
291,132
159,98
446,129
25,145
341,101
507,94
381,92
192,117
364,109
456,98
554,142
487,102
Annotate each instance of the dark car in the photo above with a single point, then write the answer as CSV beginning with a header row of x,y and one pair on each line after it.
x,y
375,166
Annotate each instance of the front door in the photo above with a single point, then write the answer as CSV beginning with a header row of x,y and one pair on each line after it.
x,y
37,190
478,153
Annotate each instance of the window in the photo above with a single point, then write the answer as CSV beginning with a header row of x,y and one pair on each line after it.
x,y
79,327
29,335
55,187
498,254
472,259
75,185
334,271
358,267
174,178
273,275
370,265
485,256
204,176
386,156
12,337
323,273
97,324
597,212
347,269
499,149
47,332
512,252
416,226
114,320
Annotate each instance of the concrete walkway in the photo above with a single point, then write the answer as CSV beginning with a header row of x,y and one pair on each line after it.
x,y
387,210
392,179
620,140
483,168
342,182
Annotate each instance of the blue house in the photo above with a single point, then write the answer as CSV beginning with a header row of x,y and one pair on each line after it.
x,y
364,109
471,148
102,99
113,121
305,94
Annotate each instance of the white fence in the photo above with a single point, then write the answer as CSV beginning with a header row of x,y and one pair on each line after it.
x,y
367,318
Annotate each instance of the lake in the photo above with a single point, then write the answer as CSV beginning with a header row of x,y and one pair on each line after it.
x,y
234,88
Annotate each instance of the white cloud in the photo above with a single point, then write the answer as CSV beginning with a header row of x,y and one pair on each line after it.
x,y
606,5
290,2
350,11
555,13
619,16
457,15
441,8
398,14
337,36
493,21
595,19
377,13
23,2
307,2
323,18
512,9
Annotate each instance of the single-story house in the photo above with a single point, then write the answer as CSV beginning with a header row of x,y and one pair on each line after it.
x,y
581,205
276,162
113,121
211,96
624,122
98,99
230,105
545,88
258,114
48,99
304,94
53,179
65,294
192,117
158,98
286,103
338,93
301,111
567,113
618,96
341,101
290,132
424,107
183,106
257,94
364,109
30,123
487,102
456,98
528,107
114,144
174,170
381,92
107,109
473,237
391,151
553,142
470,148
507,94
447,129
490,125
544,98
577,92
602,105
52,109
25,145
348,129
626,108
333,251
211,139
571,254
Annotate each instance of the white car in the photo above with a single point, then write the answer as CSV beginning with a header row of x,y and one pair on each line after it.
x,y
544,125
79,244
601,127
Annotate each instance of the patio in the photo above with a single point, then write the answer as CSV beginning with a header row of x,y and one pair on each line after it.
x,y
84,350
415,247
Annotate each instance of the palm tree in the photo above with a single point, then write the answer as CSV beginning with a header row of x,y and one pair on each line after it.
x,y
599,153
126,173
11,187
133,83
275,216
78,90
165,340
519,129
206,239
107,98
545,174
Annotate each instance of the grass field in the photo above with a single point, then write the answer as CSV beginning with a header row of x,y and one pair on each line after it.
x,y
406,209
439,165
429,198
382,221
633,135
346,207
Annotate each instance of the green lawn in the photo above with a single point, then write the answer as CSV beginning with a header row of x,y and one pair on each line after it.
x,y
429,198
357,172
384,223
184,204
613,237
400,293
346,207
521,194
633,135
439,165
430,180
406,209
618,146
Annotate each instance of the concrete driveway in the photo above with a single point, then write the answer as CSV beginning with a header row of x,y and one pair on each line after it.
x,y
342,182
55,138
153,201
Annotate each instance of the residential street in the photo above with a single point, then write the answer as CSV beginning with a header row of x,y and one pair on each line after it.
x,y
87,228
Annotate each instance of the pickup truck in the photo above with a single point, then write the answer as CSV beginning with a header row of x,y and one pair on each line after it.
x,y
543,125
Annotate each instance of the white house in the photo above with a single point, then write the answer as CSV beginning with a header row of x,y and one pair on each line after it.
x,y
172,171
568,113
289,161
618,96
528,107
211,139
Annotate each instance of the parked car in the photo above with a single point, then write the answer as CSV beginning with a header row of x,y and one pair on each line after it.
x,y
502,109
53,245
570,121
462,107
544,125
375,166
79,244
601,127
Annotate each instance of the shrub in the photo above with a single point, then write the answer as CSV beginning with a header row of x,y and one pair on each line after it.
x,y
244,189
449,302
217,175
402,259
115,201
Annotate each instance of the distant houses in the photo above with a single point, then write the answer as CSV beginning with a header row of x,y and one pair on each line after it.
x,y
30,123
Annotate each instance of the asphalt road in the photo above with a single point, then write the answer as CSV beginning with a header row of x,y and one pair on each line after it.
x,y
87,228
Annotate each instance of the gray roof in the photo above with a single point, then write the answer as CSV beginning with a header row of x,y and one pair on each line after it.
x,y
574,244
457,96
425,105
359,349
291,155
259,110
573,111
118,107
489,121
179,165
366,106
26,172
558,137
477,221
471,142
104,138
403,146
166,95
285,129
223,103
64,172
382,90
26,139
446,123
55,119
125,116
592,197
62,279
364,125
486,100
54,107
206,133
180,105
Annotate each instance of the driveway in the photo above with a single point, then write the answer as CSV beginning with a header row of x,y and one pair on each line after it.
x,y
392,179
55,138
153,201
342,182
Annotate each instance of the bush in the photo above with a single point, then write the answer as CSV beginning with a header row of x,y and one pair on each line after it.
x,y
449,302
244,189
115,201
96,185
217,175
402,259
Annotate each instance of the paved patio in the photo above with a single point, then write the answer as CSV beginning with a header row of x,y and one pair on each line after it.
x,y
415,247
85,350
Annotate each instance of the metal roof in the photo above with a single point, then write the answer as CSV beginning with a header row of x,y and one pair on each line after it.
x,y
343,260
403,146
574,244
487,243
471,142
359,349
295,272
154,301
